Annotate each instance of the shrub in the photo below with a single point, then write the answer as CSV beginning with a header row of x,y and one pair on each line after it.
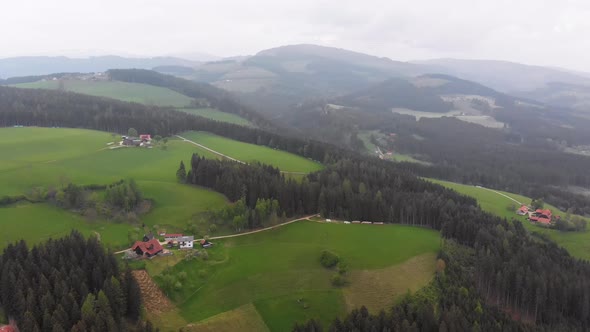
x,y
177,285
338,280
342,268
182,276
329,259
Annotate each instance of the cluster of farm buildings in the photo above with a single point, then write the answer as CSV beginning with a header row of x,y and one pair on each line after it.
x,y
150,246
144,140
539,216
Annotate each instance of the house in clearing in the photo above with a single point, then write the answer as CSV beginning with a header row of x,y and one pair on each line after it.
x,y
148,249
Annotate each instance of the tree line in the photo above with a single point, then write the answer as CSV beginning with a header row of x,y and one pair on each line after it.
x,y
68,284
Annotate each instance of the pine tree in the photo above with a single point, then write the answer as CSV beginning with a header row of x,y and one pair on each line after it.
x,y
181,173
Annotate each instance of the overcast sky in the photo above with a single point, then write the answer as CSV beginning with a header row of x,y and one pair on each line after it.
x,y
554,33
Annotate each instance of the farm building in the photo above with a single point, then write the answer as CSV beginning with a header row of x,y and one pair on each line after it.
x,y
7,328
145,137
523,210
541,216
206,243
172,237
148,249
186,242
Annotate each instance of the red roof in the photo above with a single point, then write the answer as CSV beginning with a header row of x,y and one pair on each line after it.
x,y
545,221
7,328
151,247
145,136
524,208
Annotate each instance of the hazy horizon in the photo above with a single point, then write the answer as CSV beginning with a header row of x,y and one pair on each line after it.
x,y
542,33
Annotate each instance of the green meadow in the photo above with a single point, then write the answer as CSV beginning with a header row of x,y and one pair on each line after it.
x,y
45,157
371,148
133,92
216,115
279,272
250,153
576,243
33,157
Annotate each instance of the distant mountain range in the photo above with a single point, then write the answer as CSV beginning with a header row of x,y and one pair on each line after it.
x,y
274,80
44,65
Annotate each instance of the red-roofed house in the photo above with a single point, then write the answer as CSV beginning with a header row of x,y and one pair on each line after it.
x,y
149,249
7,328
145,137
523,210
541,216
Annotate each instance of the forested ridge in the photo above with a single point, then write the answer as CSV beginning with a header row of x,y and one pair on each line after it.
x,y
68,284
215,97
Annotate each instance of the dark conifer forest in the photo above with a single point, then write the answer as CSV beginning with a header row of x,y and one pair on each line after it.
x,y
68,284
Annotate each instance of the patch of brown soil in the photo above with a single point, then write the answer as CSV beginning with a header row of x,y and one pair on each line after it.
x,y
154,300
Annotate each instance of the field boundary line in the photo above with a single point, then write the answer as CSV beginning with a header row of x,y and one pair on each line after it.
x,y
209,149
499,193
228,157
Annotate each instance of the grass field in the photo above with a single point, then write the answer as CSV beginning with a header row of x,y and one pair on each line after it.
x,y
371,148
240,271
244,319
216,115
249,153
31,157
576,243
134,92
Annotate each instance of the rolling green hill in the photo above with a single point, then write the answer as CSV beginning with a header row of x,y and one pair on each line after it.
x,y
45,157
290,285
133,92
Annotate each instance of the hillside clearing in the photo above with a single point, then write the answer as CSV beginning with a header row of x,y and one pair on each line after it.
x,y
250,153
217,115
235,275
378,289
133,92
576,243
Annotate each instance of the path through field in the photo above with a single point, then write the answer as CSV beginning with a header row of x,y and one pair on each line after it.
x,y
228,157
499,193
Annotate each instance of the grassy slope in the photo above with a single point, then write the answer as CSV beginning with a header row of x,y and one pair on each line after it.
x,y
237,273
134,92
216,115
576,243
45,155
251,153
365,136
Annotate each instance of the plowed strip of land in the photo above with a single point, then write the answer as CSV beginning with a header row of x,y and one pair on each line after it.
x,y
154,300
